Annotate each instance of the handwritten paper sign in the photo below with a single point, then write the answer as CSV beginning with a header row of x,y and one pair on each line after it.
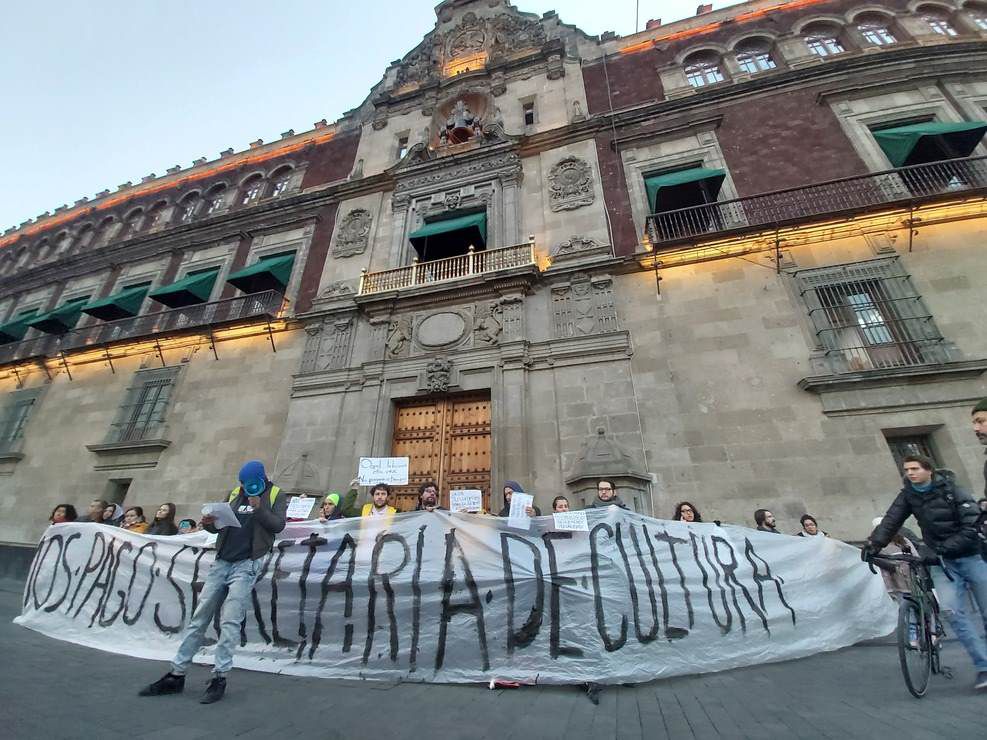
x,y
466,500
571,521
300,507
518,518
390,470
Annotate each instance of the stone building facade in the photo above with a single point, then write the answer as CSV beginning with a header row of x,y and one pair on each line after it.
x,y
731,259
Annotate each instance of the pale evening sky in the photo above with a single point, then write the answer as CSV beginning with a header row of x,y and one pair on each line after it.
x,y
99,92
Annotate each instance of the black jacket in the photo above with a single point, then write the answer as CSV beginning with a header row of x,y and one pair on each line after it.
x,y
946,514
267,522
599,503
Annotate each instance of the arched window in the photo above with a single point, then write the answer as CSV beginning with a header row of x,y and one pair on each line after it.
x,y
823,39
187,208
251,190
754,55
876,29
703,68
215,199
85,236
938,20
104,232
280,180
154,216
978,14
132,225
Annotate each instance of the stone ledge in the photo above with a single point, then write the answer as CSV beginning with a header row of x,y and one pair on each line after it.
x,y
8,461
132,455
944,371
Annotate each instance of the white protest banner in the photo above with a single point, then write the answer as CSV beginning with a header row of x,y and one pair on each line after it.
x,y
469,499
570,521
390,470
517,517
447,598
300,507
222,512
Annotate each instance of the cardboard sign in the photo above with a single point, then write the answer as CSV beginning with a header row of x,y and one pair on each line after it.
x,y
390,470
466,500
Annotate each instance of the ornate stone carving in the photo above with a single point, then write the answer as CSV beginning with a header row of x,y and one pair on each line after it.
x,y
570,184
327,344
583,307
512,318
452,200
337,289
488,325
442,329
556,70
398,336
501,164
469,37
438,375
579,248
353,234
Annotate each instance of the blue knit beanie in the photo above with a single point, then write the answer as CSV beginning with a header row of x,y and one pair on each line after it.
x,y
253,477
514,486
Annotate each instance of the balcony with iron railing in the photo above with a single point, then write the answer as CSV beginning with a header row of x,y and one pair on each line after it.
x,y
266,305
848,196
450,269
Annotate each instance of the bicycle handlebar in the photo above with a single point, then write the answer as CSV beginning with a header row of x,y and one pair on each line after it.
x,y
908,560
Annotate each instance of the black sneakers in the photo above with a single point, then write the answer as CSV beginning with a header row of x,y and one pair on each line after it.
x,y
981,682
214,691
169,683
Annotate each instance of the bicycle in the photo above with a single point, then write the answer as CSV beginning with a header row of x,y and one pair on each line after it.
x,y
920,631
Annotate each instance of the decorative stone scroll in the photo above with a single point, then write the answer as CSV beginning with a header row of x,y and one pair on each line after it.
x,y
570,184
353,234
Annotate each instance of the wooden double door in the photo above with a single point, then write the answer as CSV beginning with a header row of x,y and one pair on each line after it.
x,y
448,441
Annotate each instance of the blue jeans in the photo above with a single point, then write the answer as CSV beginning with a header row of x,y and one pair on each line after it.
x,y
239,577
969,579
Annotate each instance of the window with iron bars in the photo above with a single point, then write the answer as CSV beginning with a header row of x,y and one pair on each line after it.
x,y
869,316
902,445
142,414
14,416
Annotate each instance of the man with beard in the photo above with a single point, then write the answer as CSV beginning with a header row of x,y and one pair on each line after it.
x,y
428,497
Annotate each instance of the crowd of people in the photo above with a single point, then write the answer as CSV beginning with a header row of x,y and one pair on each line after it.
x,y
335,506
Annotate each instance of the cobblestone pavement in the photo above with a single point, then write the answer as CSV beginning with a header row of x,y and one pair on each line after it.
x,y
52,689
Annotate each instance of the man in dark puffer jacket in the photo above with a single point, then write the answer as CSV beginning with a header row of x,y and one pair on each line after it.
x,y
947,516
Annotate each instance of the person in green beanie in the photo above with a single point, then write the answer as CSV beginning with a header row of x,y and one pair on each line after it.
x,y
980,429
331,509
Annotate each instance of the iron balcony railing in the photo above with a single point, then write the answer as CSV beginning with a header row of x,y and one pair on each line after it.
x,y
265,305
451,268
833,198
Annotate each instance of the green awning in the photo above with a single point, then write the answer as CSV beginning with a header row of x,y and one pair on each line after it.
x,y
900,143
62,319
655,183
123,305
14,330
474,222
271,273
192,289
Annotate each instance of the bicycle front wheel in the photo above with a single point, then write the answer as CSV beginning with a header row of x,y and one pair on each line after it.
x,y
914,648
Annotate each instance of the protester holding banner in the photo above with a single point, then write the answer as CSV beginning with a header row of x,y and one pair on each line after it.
x,y
134,521
63,513
686,512
95,512
810,527
164,521
428,497
510,487
259,507
606,495
765,521
980,429
113,515
187,526
560,504
378,506
331,510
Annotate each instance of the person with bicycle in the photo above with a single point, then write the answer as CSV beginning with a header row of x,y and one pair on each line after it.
x,y
947,516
